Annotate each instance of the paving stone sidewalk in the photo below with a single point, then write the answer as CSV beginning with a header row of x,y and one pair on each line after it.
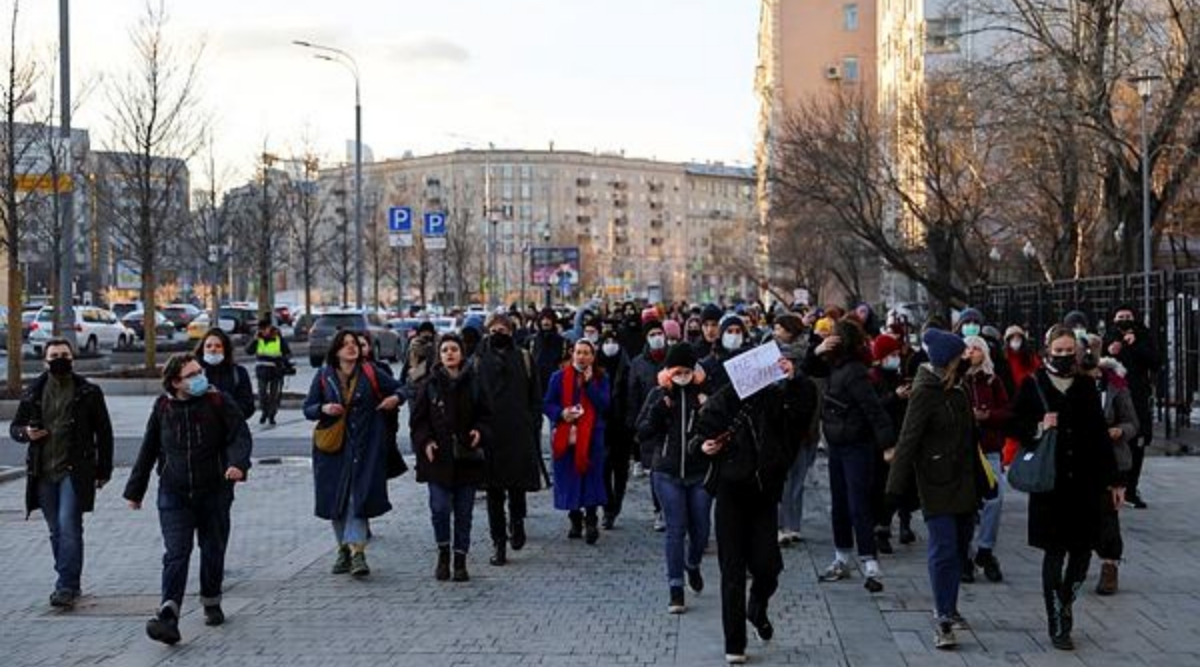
x,y
562,603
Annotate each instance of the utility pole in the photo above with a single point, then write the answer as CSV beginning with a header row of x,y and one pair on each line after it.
x,y
64,314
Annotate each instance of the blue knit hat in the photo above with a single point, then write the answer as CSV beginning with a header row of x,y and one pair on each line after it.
x,y
942,347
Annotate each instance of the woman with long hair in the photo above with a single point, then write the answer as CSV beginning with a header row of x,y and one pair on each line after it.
x,y
991,409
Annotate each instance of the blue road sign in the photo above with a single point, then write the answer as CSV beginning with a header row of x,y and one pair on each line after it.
x,y
400,219
435,223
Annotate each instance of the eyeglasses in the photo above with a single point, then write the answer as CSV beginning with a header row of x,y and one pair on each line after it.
x,y
189,376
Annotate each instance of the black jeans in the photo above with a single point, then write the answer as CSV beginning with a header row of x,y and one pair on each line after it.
x,y
746,522
851,473
1110,546
497,521
1137,447
270,389
616,473
204,515
1056,579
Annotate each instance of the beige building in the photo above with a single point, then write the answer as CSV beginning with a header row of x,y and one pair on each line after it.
x,y
643,228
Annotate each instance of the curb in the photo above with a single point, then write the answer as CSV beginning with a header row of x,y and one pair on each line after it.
x,y
11,474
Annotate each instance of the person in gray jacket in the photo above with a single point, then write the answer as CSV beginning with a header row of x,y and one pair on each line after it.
x,y
1120,415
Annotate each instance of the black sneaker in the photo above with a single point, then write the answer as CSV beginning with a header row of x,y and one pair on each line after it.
x,y
991,567
609,521
676,605
1135,501
756,613
63,599
164,627
968,573
695,580
943,637
516,534
907,536
213,615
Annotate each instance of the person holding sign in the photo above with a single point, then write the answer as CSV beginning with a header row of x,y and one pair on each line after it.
x,y
750,444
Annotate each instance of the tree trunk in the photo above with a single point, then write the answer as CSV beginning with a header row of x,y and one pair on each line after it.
x,y
15,290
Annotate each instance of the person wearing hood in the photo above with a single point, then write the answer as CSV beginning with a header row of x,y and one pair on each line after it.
x,y
63,420
630,332
471,334
643,377
692,332
575,404
514,467
732,342
1131,343
1120,416
618,438
855,426
1023,360
866,316
665,421
198,441
1065,523
936,453
1077,321
548,347
750,444
970,323
215,352
992,409
710,330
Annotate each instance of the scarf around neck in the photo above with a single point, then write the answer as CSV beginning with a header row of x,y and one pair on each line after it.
x,y
573,392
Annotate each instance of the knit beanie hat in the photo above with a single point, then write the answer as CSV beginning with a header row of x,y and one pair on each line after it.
x,y
884,346
671,328
823,327
652,325
970,315
731,321
681,355
649,314
1014,330
943,347
711,313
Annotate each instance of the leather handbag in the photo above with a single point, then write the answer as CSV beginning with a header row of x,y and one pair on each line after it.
x,y
329,438
1033,468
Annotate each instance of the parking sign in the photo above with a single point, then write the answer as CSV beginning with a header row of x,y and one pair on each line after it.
x,y
400,220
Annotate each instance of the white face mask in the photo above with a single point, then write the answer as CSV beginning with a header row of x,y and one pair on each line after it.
x,y
595,338
891,363
731,341
682,379
213,359
611,349
657,342
1016,344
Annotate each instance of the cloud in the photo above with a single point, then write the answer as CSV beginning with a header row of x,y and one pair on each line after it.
x,y
256,40
430,50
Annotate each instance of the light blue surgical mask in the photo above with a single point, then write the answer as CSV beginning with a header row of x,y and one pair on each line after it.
x,y
970,329
197,385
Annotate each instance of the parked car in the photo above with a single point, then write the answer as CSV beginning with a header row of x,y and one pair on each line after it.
x,y
123,308
95,329
27,317
181,314
244,319
162,326
202,323
384,341
301,324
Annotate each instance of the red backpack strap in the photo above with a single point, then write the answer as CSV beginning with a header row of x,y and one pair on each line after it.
x,y
369,371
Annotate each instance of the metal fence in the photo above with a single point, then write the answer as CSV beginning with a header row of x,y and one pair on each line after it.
x,y
1174,322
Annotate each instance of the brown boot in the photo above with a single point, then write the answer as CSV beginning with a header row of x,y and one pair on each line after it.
x,y
1108,579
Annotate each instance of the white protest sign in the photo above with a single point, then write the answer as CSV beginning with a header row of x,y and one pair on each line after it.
x,y
751,371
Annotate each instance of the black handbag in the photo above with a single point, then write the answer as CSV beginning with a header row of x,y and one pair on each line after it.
x,y
1033,469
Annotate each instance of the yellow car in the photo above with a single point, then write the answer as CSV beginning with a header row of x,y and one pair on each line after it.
x,y
198,327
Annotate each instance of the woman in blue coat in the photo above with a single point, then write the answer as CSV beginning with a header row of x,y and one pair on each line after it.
x,y
350,485
575,403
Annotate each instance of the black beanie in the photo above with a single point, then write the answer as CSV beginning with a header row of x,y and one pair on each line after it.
x,y
652,325
681,354
711,313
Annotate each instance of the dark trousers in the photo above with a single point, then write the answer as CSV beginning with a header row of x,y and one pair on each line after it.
x,y
949,539
851,472
452,501
1110,545
270,389
746,523
1137,447
204,515
497,521
1060,580
616,474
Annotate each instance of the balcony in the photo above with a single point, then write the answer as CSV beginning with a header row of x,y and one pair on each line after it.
x,y
656,223
583,219
621,221
583,182
583,201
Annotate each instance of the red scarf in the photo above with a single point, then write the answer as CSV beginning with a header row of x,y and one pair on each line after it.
x,y
572,394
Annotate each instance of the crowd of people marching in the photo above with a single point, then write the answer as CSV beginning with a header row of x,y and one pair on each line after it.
x,y
912,416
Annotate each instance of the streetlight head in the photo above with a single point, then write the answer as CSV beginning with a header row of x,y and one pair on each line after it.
x,y
1029,251
1145,83
994,255
300,42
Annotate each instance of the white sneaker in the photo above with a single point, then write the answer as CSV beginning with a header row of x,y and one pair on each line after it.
x,y
735,658
660,524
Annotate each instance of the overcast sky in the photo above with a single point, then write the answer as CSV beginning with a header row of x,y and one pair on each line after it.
x,y
671,79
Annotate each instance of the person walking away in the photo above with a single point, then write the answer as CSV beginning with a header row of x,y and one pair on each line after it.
x,y
198,441
63,419
449,425
575,404
618,438
271,356
750,444
1132,345
665,422
936,453
1065,523
992,410
514,467
350,480
855,426
215,352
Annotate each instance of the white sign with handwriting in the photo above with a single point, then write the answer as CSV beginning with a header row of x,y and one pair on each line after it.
x,y
751,371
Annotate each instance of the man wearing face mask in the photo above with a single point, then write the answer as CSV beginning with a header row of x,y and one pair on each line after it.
x,y
64,420
1132,345
732,342
549,348
643,377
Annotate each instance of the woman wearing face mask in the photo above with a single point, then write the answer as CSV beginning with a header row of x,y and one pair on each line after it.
x,y
894,389
575,404
692,330
1023,360
678,479
991,408
198,442
970,322
643,377
215,353
618,439
1065,523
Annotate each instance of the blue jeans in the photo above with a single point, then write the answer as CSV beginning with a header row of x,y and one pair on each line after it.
x,y
205,516
350,529
687,511
989,519
949,536
851,470
791,508
456,500
60,508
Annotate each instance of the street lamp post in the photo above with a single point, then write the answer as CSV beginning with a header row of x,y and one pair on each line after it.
x,y
346,60
1145,87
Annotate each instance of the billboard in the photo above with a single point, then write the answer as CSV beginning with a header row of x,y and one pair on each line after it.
x,y
551,266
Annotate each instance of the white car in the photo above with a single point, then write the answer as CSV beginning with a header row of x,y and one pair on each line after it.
x,y
95,329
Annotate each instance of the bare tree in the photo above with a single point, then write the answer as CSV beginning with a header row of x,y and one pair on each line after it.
x,y
156,129
308,237
261,223
463,240
211,229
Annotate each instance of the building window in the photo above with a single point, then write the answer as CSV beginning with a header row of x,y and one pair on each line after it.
x,y
850,68
942,35
850,17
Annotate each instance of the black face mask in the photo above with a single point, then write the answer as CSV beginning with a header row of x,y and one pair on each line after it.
x,y
1125,326
693,334
60,366
1061,365
501,340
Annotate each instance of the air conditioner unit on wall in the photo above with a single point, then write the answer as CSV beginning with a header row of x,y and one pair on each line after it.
x,y
833,72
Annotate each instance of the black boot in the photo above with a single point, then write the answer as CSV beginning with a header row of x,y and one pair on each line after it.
x,y
592,525
576,530
460,567
442,573
1060,635
517,534
499,554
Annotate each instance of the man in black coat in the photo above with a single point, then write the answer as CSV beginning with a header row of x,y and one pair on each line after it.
x,y
510,381
64,420
548,346
1131,343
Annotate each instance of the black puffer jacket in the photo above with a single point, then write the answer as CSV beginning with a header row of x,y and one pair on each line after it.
x,y
665,424
191,443
852,415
